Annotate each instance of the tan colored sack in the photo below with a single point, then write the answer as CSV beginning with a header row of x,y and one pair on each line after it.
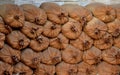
x,y
34,14
117,8
40,43
114,28
71,9
95,28
32,30
12,14
55,13
72,29
51,30
78,13
2,39
112,55
5,69
84,42
6,29
92,56
66,69
86,69
64,16
59,19
60,42
105,42
43,69
30,58
108,69
71,55
51,56
117,42
17,40
102,11
22,69
10,55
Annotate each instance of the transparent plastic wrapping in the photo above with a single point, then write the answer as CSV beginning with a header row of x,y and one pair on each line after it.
x,y
60,2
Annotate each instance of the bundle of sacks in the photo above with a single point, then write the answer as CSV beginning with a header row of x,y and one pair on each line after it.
x,y
59,40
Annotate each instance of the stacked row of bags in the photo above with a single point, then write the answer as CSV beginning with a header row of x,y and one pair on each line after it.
x,y
60,40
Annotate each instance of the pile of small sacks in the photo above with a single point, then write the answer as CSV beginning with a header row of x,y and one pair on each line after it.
x,y
60,40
